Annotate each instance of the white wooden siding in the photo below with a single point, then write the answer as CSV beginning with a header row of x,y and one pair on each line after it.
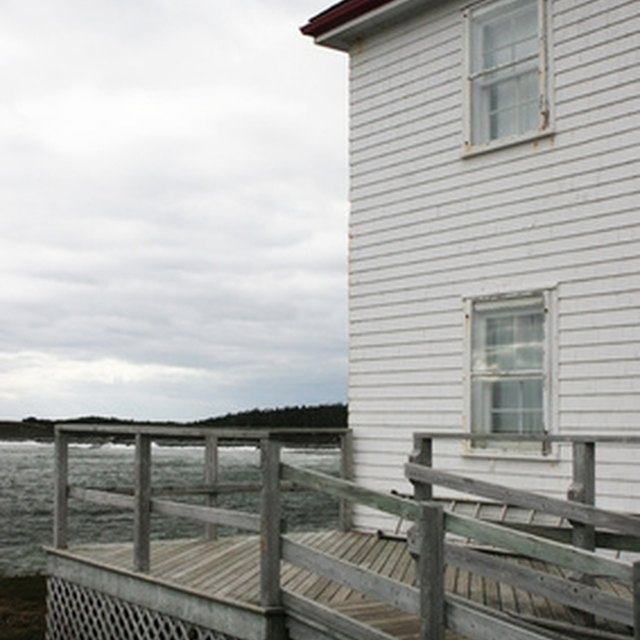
x,y
429,227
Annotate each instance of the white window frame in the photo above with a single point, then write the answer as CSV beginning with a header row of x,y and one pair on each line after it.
x,y
546,121
515,301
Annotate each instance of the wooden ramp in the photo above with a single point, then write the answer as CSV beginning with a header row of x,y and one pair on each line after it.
x,y
217,584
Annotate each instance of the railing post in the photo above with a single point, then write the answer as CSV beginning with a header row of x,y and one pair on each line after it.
x,y
431,571
583,489
211,479
270,542
346,472
61,490
422,454
142,513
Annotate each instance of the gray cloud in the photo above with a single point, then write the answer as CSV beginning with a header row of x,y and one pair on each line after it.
x,y
173,209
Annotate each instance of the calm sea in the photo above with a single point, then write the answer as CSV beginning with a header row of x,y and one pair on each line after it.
x,y
26,494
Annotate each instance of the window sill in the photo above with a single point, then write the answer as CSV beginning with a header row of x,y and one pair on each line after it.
x,y
516,452
471,150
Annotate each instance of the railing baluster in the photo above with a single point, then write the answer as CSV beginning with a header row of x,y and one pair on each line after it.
x,y
211,480
142,513
61,490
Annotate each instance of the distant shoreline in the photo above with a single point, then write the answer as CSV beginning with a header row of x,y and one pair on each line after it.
x,y
331,416
20,431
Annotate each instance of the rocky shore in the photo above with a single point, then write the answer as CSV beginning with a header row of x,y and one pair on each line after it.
x,y
22,608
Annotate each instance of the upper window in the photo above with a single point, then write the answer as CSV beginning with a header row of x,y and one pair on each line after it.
x,y
509,372
506,70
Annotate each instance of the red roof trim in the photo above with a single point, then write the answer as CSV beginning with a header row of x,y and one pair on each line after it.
x,y
338,15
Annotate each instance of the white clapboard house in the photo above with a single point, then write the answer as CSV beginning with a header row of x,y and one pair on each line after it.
x,y
495,234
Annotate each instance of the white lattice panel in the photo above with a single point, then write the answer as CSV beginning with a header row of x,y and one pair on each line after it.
x,y
76,613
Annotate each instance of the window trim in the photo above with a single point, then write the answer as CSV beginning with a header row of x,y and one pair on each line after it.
x,y
513,450
547,112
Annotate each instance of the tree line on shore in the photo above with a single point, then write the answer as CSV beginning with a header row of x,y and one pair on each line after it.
x,y
329,416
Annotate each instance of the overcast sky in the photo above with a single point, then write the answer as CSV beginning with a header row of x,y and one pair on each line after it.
x,y
173,208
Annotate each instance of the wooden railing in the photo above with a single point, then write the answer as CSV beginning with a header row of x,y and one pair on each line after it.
x,y
438,611
143,498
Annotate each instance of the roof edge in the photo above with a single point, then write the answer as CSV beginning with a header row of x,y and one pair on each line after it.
x,y
338,15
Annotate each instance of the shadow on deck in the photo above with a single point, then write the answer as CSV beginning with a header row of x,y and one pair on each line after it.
x,y
459,577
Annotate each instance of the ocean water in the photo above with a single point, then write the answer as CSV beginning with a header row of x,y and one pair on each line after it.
x,y
26,494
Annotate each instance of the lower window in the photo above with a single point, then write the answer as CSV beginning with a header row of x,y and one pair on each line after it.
x,y
508,364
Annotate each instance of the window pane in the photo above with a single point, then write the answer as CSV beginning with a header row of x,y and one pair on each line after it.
x,y
505,59
480,410
506,422
508,375
533,422
500,331
516,405
497,44
528,358
529,327
504,395
525,28
532,394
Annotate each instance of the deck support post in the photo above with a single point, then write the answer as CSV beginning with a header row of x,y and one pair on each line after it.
x,y
61,490
346,472
422,454
636,600
211,480
142,512
431,571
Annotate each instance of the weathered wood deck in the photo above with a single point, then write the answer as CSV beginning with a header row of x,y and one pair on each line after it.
x,y
227,571
273,586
